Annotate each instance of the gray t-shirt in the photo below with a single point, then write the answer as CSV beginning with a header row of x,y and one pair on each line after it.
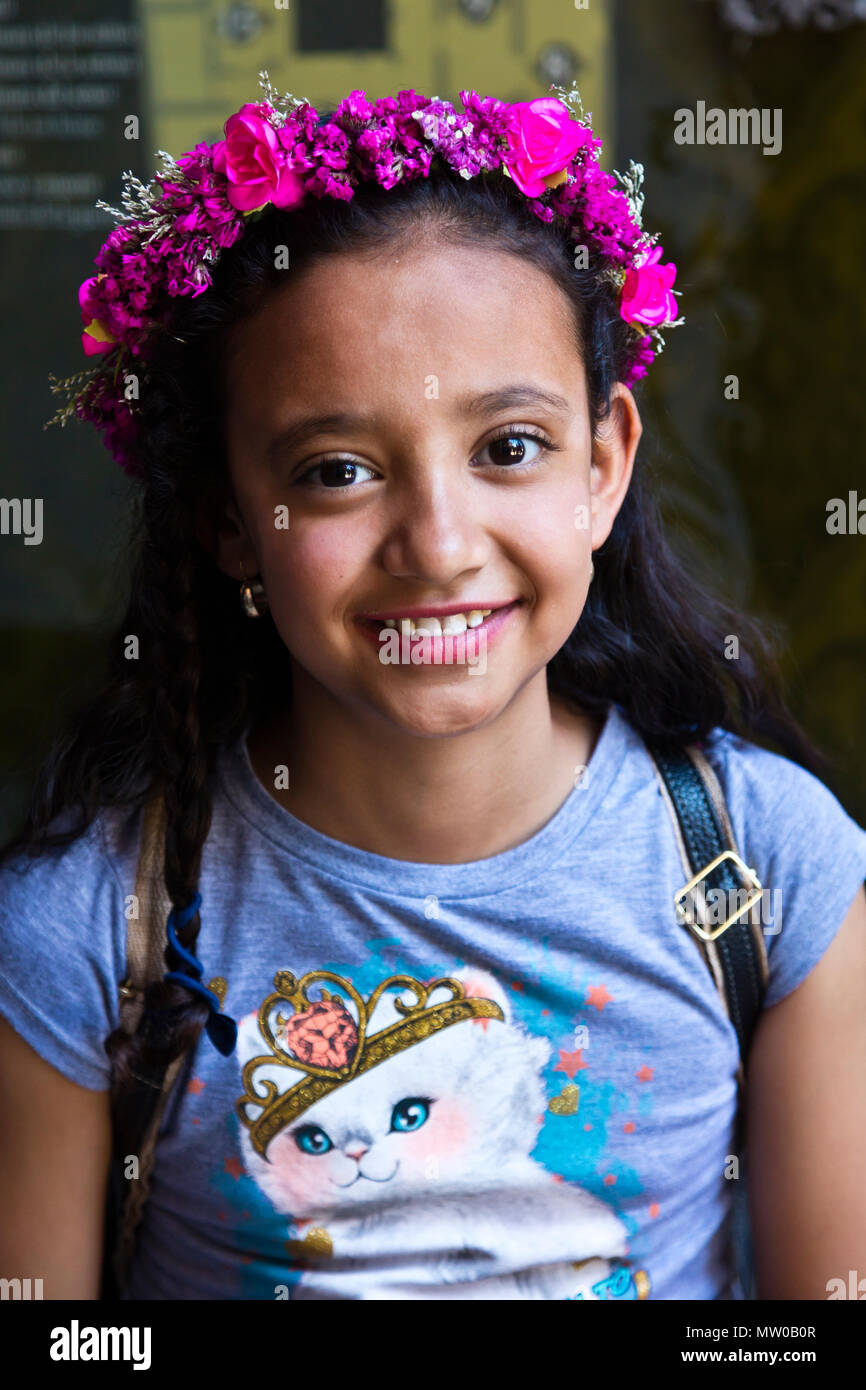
x,y
552,1120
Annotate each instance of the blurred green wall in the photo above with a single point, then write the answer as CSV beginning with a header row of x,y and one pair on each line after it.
x,y
770,250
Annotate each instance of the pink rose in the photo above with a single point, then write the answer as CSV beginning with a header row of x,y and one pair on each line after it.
x,y
542,138
255,164
646,294
96,337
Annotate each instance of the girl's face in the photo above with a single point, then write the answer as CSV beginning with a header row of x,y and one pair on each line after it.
x,y
409,430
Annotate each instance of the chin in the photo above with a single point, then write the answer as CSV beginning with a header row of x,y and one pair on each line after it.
x,y
445,712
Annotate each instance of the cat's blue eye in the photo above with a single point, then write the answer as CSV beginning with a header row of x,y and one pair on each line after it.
x,y
410,1113
310,1139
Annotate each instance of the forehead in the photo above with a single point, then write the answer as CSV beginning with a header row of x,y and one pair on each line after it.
x,y
365,327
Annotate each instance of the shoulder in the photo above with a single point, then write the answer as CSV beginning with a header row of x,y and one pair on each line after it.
x,y
63,943
808,852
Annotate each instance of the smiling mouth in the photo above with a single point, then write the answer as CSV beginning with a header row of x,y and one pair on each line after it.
x,y
449,624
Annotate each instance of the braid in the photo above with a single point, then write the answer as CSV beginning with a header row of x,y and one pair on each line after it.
x,y
171,618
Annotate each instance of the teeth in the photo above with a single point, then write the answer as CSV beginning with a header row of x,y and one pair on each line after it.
x,y
452,624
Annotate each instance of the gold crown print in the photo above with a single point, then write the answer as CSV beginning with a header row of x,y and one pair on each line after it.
x,y
322,1039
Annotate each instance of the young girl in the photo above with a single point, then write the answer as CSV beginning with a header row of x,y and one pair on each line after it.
x,y
401,634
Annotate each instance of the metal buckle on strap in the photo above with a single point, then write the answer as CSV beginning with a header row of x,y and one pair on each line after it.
x,y
754,894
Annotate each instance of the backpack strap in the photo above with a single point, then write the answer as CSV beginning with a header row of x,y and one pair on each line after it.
x,y
734,950
142,1109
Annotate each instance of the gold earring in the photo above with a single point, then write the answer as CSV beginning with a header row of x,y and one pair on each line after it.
x,y
253,600
591,571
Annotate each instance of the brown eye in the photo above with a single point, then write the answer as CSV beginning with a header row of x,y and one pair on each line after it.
x,y
334,473
510,449
516,448
337,473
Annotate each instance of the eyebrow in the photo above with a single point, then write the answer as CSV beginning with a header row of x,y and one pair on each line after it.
x,y
507,396
308,428
482,403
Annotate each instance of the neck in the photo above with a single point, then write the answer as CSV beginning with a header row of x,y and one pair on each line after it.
x,y
363,780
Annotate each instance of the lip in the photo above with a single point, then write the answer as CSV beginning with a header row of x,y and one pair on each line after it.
x,y
434,648
437,610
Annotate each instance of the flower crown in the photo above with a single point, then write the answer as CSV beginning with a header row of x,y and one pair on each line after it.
x,y
279,152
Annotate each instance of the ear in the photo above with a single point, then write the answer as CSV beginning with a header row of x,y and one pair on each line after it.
x,y
224,535
613,451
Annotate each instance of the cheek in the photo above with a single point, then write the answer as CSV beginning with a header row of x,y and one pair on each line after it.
x,y
311,563
555,552
550,526
295,1182
310,573
445,1135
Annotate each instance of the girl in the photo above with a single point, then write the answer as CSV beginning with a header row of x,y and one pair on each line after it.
x,y
402,631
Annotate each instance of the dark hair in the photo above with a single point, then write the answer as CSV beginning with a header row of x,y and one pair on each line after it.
x,y
649,638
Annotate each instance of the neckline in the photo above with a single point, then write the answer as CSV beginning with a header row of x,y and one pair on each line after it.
x,y
413,878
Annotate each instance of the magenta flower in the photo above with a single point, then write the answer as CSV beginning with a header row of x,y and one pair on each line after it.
x,y
195,208
640,359
542,139
255,163
96,338
646,295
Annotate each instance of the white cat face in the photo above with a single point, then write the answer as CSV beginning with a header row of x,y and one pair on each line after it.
x,y
450,1112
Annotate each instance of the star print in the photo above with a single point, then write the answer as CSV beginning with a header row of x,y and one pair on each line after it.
x,y
654,1210
598,995
628,1127
570,1063
609,1180
233,1166
196,1086
645,1073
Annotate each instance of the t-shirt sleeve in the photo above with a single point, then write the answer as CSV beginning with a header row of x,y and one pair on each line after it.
x,y
62,954
806,850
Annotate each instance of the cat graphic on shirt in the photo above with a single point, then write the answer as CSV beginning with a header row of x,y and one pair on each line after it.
x,y
416,1176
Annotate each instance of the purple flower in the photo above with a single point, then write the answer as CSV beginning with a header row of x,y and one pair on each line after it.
x,y
198,208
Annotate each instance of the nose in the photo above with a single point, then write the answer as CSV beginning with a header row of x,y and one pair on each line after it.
x,y
356,1151
434,534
